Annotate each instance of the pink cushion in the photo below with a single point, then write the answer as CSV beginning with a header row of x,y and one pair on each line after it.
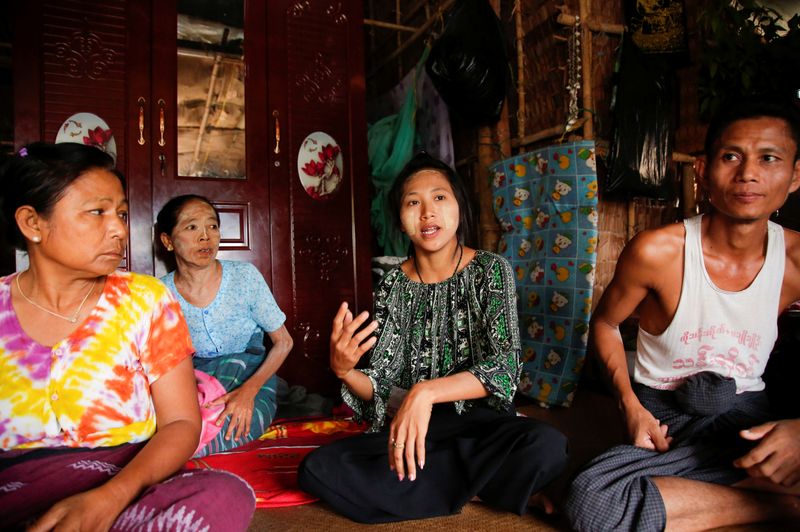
x,y
208,389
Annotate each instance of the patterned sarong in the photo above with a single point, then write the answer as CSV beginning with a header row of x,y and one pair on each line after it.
x,y
32,481
615,490
231,371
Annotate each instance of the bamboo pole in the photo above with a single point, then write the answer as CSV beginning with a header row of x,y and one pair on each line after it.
x,y
520,34
200,54
389,25
447,4
550,132
631,226
502,133
489,141
488,229
688,197
207,107
586,65
412,10
600,27
555,131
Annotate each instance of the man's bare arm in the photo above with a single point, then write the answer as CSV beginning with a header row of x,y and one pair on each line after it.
x,y
637,273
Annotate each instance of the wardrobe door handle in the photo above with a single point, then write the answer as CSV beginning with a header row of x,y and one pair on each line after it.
x,y
141,102
161,126
277,133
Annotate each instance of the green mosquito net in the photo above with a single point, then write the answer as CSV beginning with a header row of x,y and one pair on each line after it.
x,y
392,143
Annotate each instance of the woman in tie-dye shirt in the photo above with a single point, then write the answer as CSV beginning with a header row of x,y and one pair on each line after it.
x,y
97,397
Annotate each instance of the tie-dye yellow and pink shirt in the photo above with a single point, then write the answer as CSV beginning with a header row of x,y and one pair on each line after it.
x,y
91,389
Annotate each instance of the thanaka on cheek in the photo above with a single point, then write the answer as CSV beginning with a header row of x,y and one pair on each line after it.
x,y
445,213
409,226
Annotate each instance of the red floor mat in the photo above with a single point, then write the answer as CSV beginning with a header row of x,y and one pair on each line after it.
x,y
270,463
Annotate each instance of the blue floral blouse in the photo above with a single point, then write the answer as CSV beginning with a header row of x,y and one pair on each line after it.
x,y
243,306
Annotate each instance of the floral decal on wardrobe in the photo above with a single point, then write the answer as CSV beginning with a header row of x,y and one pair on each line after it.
x,y
89,129
319,165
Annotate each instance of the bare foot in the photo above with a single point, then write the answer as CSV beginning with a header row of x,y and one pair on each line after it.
x,y
542,502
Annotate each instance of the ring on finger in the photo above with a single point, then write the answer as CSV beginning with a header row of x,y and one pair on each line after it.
x,y
398,445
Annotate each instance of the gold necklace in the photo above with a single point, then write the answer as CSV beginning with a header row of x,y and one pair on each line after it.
x,y
460,255
73,318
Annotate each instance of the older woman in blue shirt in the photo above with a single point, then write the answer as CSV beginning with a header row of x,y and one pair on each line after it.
x,y
228,307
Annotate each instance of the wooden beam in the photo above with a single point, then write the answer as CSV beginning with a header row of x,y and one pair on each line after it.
x,y
630,227
411,11
447,4
520,38
550,132
389,25
600,27
688,195
587,80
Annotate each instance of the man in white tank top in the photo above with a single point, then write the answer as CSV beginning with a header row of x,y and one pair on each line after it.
x,y
708,293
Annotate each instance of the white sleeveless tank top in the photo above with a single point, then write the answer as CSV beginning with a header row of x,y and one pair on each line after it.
x,y
730,333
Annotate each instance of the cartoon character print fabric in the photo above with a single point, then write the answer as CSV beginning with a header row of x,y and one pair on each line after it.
x,y
546,202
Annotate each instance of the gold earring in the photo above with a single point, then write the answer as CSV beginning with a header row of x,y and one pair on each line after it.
x,y
169,248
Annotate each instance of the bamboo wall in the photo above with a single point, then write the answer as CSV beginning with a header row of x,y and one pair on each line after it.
x,y
540,102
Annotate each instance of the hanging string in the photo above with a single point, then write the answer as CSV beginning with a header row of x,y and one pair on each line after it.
x,y
573,76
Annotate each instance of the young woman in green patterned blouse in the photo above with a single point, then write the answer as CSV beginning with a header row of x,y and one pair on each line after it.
x,y
444,366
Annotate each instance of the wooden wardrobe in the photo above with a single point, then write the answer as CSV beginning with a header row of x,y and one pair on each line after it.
x,y
303,73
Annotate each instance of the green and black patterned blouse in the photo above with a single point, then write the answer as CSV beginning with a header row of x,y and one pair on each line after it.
x,y
425,331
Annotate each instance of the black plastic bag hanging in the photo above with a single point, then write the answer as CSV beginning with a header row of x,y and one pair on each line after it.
x,y
468,63
640,158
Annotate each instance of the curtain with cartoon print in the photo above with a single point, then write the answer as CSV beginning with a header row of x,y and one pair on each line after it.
x,y
546,202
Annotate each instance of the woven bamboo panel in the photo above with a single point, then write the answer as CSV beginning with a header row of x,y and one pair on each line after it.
x,y
545,64
545,61
611,240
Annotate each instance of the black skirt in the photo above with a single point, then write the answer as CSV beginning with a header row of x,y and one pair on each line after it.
x,y
501,458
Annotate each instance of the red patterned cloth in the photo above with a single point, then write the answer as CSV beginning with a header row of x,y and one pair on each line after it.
x,y
270,463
